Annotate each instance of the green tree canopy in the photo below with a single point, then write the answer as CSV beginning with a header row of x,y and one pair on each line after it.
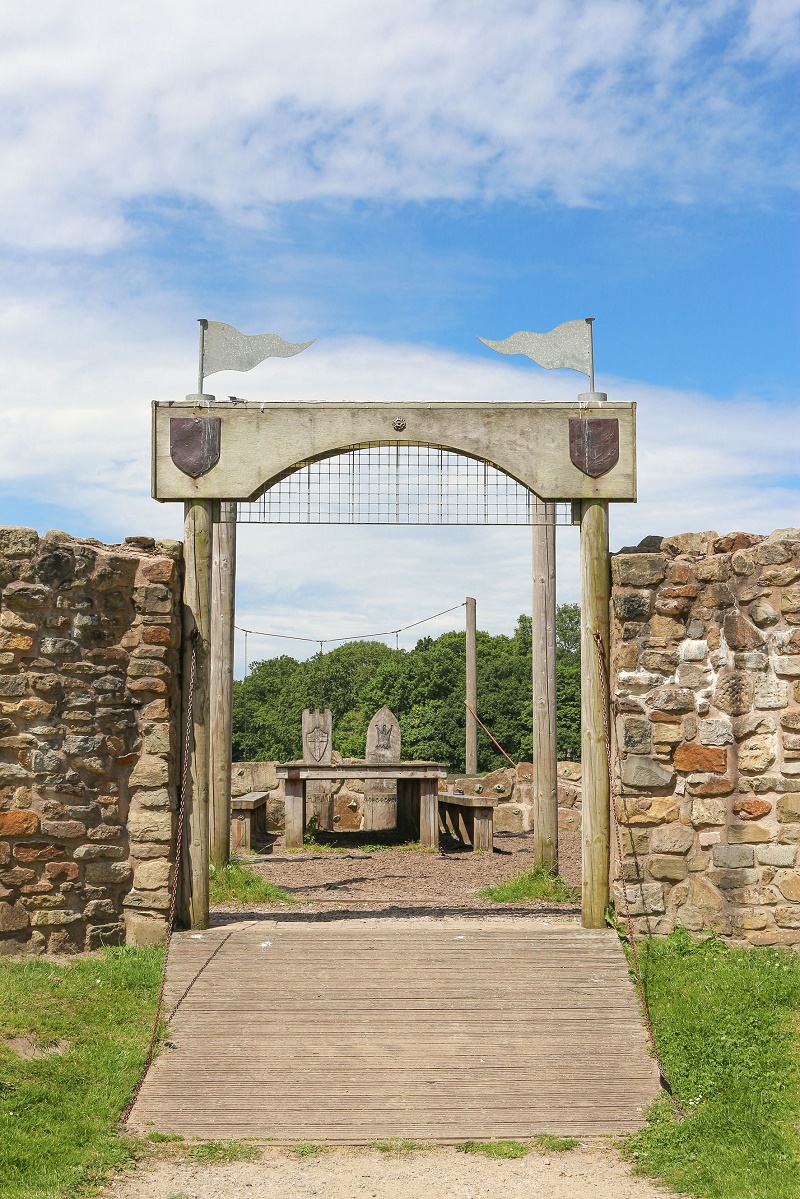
x,y
424,687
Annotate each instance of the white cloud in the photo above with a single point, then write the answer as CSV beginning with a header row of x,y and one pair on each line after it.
x,y
242,106
77,434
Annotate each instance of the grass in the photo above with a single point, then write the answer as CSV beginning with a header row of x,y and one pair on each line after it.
x,y
219,1152
540,883
58,1115
397,1145
547,1143
503,1149
236,884
726,1023
306,1149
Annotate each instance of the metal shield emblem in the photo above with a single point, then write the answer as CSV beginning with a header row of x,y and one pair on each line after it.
x,y
194,443
594,444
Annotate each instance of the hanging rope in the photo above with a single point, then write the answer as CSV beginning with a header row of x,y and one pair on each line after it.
x,y
353,637
489,735
662,1074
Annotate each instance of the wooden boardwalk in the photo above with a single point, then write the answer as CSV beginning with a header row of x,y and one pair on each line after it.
x,y
433,1030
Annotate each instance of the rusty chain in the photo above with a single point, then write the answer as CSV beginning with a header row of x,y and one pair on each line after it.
x,y
187,750
662,1074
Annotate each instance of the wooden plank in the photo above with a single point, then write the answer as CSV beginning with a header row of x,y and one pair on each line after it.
x,y
295,812
543,657
223,587
471,732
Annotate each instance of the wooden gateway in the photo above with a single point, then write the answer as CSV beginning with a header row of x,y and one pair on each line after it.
x,y
210,455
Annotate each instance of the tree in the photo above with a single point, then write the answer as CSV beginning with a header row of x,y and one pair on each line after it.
x,y
424,687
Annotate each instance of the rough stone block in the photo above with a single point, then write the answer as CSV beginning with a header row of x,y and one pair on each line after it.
x,y
18,823
638,570
647,773
763,614
757,753
733,856
751,659
105,873
149,825
748,834
670,698
149,771
141,929
54,918
152,875
633,810
672,838
734,693
740,633
770,693
789,885
693,650
776,855
630,604
729,879
634,734
694,757
709,784
715,731
100,935
644,899
14,917
667,868
637,682
787,915
708,811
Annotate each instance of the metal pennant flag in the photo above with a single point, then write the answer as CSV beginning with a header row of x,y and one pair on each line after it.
x,y
568,345
224,348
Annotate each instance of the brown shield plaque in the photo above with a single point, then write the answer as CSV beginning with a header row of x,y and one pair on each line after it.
x,y
594,444
194,443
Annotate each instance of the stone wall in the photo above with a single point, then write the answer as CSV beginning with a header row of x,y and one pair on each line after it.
x,y
706,683
89,711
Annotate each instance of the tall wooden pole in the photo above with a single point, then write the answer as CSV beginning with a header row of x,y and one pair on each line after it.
x,y
223,598
543,646
197,617
596,814
472,689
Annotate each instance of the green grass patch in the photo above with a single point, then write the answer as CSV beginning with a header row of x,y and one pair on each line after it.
x,y
397,1145
547,1143
162,1138
58,1115
236,884
496,1148
726,1023
218,1153
533,884
306,1149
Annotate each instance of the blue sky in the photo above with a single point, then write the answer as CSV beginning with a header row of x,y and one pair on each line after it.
x,y
394,185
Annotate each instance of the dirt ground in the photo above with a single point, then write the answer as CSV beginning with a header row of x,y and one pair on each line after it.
x,y
594,1172
406,880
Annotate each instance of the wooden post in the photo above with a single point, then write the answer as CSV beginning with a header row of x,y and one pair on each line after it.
x,y
429,813
596,814
295,812
223,589
472,690
197,617
543,646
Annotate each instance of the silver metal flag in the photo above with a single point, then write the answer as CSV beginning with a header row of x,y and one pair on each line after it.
x,y
568,345
223,348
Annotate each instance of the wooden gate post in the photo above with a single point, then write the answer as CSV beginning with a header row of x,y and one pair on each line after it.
x,y
223,598
596,814
543,647
471,747
197,616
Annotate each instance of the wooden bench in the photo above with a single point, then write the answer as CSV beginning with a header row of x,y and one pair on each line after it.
x,y
248,816
469,817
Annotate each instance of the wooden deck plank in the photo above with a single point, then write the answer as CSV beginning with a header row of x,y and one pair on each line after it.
x,y
437,1030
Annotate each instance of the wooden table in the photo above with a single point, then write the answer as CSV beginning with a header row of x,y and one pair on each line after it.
x,y
248,816
417,794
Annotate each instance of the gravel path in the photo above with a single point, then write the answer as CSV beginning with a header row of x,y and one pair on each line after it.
x,y
596,1172
405,880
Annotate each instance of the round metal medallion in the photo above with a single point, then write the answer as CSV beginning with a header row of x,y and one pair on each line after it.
x,y
399,423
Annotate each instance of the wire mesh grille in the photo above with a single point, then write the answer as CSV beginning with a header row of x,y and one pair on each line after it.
x,y
399,484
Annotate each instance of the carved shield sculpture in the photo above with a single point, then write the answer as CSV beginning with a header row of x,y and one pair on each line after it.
x,y
194,443
383,737
317,737
594,444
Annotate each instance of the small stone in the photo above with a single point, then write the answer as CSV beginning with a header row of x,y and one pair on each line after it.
x,y
693,650
630,604
672,699
745,726
728,880
13,917
642,809
733,856
149,771
709,784
65,830
149,825
667,868
644,899
708,811
787,916
734,693
788,665
770,693
672,838
634,734
752,809
701,757
740,633
108,873
715,731
54,918
773,553
36,851
638,570
18,823
58,647
790,600
763,614
789,886
708,839
646,772
100,909
703,895
748,834
90,853
152,875
757,753
776,855
637,682
691,543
